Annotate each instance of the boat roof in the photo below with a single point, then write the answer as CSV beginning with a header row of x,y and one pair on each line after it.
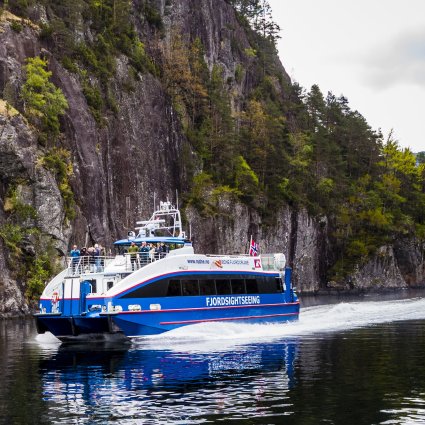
x,y
153,239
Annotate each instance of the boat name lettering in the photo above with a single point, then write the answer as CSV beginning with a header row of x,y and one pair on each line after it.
x,y
198,261
239,300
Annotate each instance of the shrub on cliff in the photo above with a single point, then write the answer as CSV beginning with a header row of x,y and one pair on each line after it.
x,y
44,103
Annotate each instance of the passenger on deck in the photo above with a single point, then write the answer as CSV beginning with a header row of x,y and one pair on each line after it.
x,y
97,255
163,250
91,258
75,255
133,250
84,258
144,253
157,251
151,252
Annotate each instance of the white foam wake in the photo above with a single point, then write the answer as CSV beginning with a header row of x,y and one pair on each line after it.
x,y
313,320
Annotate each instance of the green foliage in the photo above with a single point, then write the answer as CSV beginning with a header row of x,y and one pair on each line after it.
x,y
12,235
250,52
69,64
200,196
258,14
19,7
16,26
325,186
420,157
140,59
59,162
33,268
39,273
274,144
245,179
112,33
94,100
19,211
44,103
153,16
381,207
239,71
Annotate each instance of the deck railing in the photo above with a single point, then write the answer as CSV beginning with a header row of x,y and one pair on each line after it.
x,y
87,264
92,264
134,261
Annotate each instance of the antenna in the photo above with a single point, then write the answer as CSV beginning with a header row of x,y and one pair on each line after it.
x,y
177,199
154,207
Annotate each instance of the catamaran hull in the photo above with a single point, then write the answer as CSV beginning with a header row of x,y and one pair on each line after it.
x,y
128,324
79,328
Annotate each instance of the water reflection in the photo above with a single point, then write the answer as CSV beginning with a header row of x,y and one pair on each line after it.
x,y
109,383
353,363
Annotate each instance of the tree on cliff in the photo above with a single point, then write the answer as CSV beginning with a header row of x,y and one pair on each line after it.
x,y
44,103
258,13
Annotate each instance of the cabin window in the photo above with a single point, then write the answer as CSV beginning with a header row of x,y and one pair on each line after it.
x,y
223,287
268,285
190,287
279,284
109,285
251,286
174,288
207,287
158,288
238,286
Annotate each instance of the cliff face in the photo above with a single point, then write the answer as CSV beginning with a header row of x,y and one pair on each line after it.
x,y
136,155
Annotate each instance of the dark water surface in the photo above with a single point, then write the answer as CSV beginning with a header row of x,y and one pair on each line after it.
x,y
342,363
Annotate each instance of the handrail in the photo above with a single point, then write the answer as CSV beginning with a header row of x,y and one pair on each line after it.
x,y
96,264
134,261
137,260
87,264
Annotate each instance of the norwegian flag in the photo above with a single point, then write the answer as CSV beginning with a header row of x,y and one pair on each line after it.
x,y
253,249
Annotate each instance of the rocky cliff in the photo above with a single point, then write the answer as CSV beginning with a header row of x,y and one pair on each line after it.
x,y
140,151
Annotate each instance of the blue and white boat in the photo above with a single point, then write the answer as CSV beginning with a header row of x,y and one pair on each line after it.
x,y
163,287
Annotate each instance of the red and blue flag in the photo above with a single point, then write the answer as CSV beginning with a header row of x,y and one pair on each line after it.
x,y
253,249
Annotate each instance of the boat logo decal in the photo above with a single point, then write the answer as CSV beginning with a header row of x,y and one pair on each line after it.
x,y
257,263
218,263
233,300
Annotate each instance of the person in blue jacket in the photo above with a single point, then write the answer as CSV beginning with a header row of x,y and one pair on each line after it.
x,y
75,257
144,253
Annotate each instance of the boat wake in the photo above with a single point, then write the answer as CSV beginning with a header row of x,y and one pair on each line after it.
x,y
313,320
204,337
